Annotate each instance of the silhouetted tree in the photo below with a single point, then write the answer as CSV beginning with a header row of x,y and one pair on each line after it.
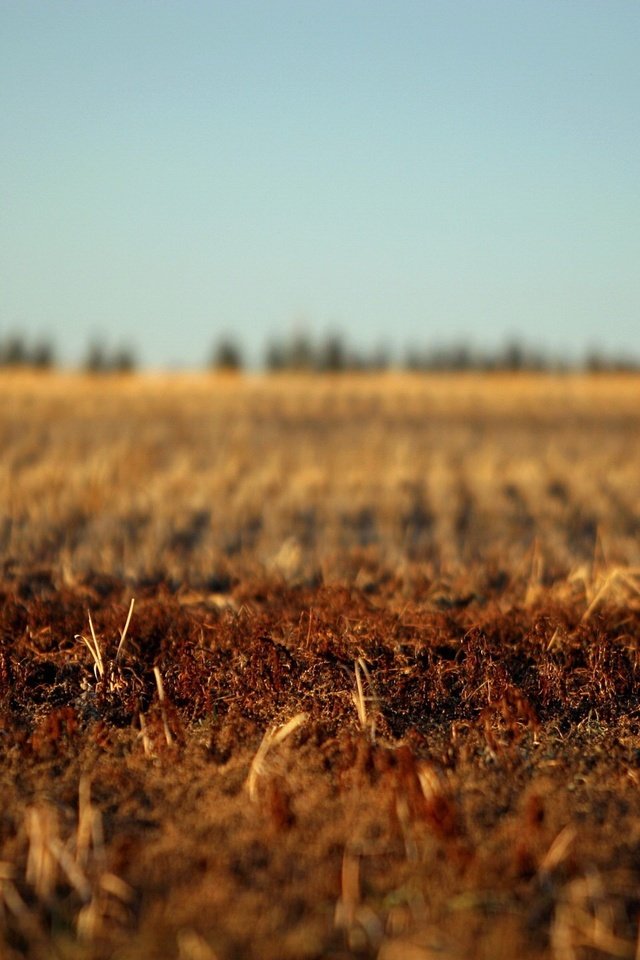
x,y
414,359
301,355
14,352
380,359
594,362
333,355
42,355
123,360
513,357
100,360
96,360
227,356
275,356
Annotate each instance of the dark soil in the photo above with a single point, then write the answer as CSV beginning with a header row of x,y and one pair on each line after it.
x,y
460,777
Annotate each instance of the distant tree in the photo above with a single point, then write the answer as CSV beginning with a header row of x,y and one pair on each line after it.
x,y
42,355
96,360
298,354
227,356
99,360
622,364
414,360
437,358
462,358
14,351
380,359
275,358
538,362
513,357
595,362
301,355
357,362
123,360
333,355
487,361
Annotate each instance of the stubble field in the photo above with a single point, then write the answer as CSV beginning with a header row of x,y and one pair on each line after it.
x,y
376,696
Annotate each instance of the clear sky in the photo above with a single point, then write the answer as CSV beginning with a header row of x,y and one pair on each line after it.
x,y
401,171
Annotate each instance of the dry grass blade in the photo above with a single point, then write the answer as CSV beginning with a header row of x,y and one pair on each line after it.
x,y
191,946
359,698
165,724
366,718
48,854
41,825
286,729
77,863
584,919
558,851
536,574
108,903
159,683
89,834
361,924
123,635
75,874
14,910
349,901
144,736
272,737
94,649
116,887
613,579
93,644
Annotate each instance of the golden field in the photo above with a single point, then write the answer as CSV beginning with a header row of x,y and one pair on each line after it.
x,y
191,477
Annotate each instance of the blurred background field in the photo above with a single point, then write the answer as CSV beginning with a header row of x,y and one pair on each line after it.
x,y
200,479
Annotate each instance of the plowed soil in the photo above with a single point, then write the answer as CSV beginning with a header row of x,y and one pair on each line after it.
x,y
377,695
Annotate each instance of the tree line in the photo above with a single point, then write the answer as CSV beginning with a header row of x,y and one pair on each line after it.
x,y
18,351
302,353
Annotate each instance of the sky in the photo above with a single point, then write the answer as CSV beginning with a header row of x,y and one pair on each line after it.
x,y
406,173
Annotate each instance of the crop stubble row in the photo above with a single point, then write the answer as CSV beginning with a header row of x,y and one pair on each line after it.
x,y
188,479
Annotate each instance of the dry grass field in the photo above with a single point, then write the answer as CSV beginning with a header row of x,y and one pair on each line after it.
x,y
377,696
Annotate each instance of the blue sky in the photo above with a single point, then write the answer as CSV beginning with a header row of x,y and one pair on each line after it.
x,y
405,172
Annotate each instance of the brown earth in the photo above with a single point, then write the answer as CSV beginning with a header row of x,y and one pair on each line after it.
x,y
381,700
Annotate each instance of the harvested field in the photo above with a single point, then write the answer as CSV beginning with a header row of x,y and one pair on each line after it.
x,y
378,693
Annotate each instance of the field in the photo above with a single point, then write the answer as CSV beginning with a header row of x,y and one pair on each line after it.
x,y
319,668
